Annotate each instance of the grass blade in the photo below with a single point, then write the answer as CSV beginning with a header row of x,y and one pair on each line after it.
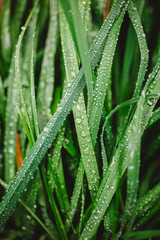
x,y
50,131
155,117
142,235
79,110
144,204
103,76
46,81
83,48
30,211
118,165
11,119
5,33
2,100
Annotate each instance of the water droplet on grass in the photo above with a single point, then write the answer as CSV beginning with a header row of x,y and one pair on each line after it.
x,y
78,120
83,134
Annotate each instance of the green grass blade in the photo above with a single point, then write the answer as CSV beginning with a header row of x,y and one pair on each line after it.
x,y
6,34
17,68
57,169
128,56
30,211
2,100
155,117
50,131
133,168
151,213
142,235
85,7
46,81
11,119
25,126
145,203
116,168
32,86
55,210
83,48
76,192
103,76
135,18
17,18
79,110
37,219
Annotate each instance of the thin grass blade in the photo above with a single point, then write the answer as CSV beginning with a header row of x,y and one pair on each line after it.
x,y
50,131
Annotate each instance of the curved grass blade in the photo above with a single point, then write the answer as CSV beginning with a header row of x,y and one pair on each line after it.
x,y
50,131
144,204
106,127
128,56
155,117
17,67
135,18
81,172
118,164
147,217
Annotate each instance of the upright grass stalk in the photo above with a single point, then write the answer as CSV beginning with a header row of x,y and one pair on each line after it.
x,y
96,179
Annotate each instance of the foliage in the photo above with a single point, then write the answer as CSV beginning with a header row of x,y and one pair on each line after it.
x,y
79,119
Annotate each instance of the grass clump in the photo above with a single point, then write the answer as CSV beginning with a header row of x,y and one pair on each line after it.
x,y
79,118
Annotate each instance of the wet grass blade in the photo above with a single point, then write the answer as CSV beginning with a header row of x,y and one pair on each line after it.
x,y
17,69
144,204
2,100
11,119
46,81
30,211
5,33
142,235
103,77
25,126
79,109
155,117
135,18
50,131
118,164
17,17
83,48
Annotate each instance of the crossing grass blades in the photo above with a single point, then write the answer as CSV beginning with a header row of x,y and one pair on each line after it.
x,y
79,119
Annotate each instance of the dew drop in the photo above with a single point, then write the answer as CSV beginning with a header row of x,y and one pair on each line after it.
x,y
86,150
78,120
46,129
78,107
83,134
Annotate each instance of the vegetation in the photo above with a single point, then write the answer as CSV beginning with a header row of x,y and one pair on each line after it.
x,y
79,119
